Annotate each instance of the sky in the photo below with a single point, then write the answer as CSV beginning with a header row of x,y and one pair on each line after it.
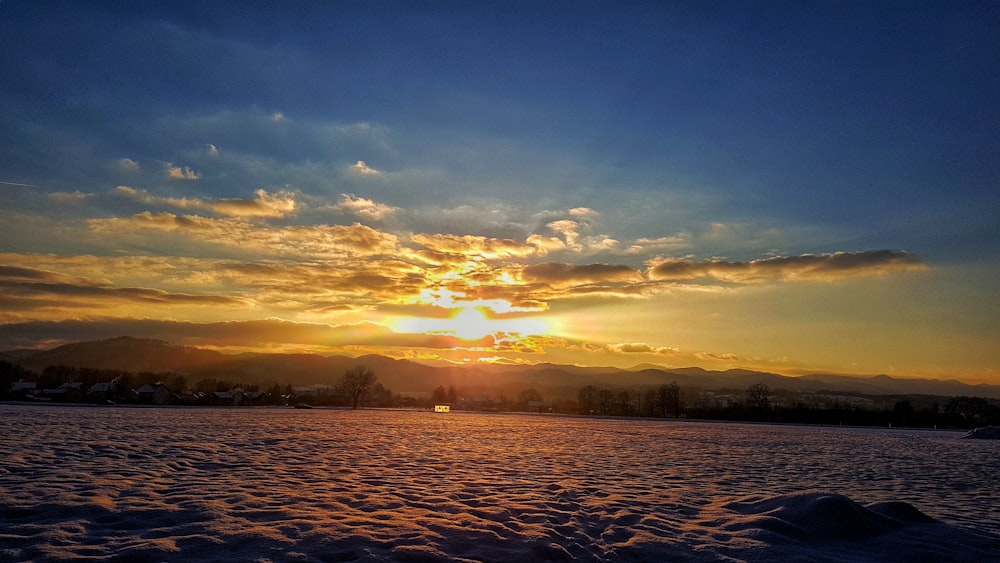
x,y
795,187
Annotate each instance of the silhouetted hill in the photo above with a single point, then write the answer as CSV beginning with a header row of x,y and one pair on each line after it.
x,y
147,355
125,353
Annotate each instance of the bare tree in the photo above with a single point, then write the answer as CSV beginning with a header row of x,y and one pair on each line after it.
x,y
668,398
759,398
588,399
355,383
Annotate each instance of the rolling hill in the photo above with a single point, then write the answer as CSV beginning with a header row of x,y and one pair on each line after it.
x,y
146,355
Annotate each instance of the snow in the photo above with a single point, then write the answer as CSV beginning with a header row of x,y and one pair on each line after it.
x,y
984,433
268,484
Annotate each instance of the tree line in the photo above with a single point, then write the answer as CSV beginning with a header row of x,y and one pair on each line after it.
x,y
359,387
356,387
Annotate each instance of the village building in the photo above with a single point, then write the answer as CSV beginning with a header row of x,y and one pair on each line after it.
x,y
154,394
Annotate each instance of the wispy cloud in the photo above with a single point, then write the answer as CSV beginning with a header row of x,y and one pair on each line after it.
x,y
642,348
127,165
787,268
263,205
560,274
69,198
318,241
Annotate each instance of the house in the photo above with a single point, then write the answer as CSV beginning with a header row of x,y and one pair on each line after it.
x,y
227,398
23,390
106,391
154,394
69,392
538,406
478,403
254,397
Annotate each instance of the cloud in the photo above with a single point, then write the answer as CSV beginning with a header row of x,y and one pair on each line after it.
x,y
15,274
642,348
128,165
365,208
67,198
788,268
570,230
265,204
212,150
545,245
466,246
49,294
262,333
575,233
361,168
583,212
658,245
181,173
726,357
314,241
277,117
562,274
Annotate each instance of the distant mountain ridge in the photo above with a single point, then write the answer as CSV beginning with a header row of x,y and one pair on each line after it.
x,y
148,355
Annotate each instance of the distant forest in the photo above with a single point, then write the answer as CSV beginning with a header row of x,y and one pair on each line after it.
x,y
359,387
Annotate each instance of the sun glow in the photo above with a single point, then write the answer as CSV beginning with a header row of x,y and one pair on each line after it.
x,y
472,324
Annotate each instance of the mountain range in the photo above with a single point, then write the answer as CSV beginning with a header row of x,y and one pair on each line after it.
x,y
139,355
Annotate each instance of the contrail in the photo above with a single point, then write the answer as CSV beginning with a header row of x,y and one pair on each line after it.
x,y
17,184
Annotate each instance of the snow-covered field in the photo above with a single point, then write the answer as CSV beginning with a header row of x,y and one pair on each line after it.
x,y
157,484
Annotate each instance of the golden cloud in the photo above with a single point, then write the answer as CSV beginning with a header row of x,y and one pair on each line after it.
x,y
318,241
265,204
560,274
366,208
471,246
804,267
642,348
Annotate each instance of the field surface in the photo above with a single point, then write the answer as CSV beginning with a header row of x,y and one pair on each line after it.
x,y
155,484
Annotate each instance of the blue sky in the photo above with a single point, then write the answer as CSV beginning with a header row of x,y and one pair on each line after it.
x,y
595,141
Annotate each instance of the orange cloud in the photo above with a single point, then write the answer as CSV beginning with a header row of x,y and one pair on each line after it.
x,y
473,246
789,268
642,348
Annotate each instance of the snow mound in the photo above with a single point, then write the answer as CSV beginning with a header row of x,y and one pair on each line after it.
x,y
984,433
831,527
818,517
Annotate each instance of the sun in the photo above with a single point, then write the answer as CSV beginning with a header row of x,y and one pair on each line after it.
x,y
470,324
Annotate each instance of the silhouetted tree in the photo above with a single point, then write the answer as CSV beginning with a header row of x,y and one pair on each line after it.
x,y
356,383
439,395
605,401
668,398
902,413
759,399
178,383
970,411
622,403
588,399
527,396
381,395
274,395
